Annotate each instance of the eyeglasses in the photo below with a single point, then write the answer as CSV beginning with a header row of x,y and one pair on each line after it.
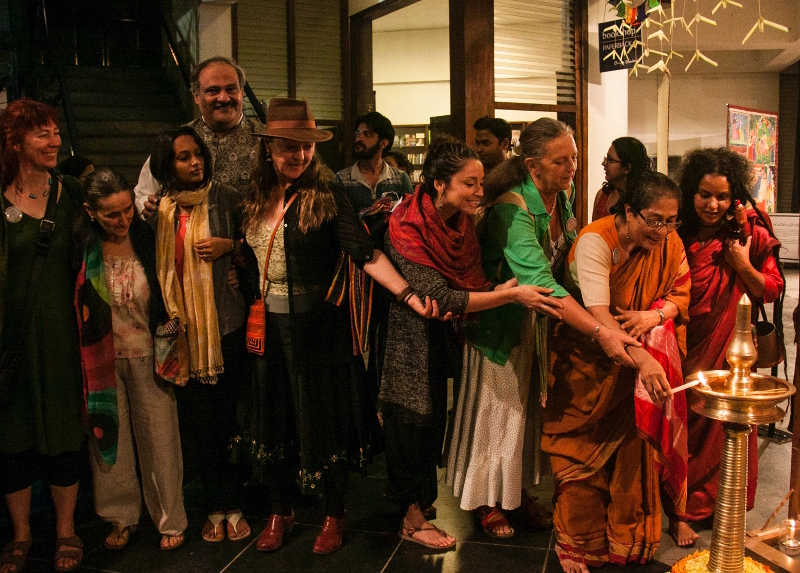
x,y
608,159
658,225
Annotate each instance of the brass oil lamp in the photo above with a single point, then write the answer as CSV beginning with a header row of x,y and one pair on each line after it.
x,y
739,398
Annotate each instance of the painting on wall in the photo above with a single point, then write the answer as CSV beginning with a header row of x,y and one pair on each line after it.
x,y
754,134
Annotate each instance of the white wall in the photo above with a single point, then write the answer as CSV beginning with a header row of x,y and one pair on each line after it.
x,y
215,30
608,104
411,74
697,106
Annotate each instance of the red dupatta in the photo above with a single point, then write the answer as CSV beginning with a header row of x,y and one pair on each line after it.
x,y
419,234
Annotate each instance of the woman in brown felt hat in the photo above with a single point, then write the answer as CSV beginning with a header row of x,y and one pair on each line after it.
x,y
301,405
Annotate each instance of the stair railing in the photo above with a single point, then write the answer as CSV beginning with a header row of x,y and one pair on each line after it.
x,y
185,62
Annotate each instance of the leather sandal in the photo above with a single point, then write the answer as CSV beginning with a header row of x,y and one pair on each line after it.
x,y
534,513
68,548
407,533
211,534
272,536
172,542
330,538
122,534
492,521
15,553
234,518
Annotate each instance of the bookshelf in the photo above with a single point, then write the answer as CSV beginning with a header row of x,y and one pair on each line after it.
x,y
412,141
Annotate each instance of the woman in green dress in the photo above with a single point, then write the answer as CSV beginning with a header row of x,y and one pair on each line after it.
x,y
40,406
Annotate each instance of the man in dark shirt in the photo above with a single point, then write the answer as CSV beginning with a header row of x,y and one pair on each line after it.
x,y
492,141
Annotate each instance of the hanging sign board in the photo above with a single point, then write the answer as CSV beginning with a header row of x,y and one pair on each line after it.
x,y
617,51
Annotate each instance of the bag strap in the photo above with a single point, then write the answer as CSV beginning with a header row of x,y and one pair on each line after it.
x,y
46,228
271,241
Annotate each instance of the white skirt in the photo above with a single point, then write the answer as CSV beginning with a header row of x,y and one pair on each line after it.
x,y
495,450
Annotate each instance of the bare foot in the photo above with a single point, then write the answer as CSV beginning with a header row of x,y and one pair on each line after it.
x,y
568,565
682,533
170,542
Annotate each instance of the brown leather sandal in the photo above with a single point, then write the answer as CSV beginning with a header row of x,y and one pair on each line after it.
x,y
68,548
407,533
492,520
15,554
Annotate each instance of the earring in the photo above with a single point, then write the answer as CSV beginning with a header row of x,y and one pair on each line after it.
x,y
627,231
269,158
92,219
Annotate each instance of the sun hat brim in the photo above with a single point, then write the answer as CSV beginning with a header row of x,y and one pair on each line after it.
x,y
305,134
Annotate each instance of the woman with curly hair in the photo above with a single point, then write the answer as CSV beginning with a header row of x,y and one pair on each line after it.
x,y
712,182
626,159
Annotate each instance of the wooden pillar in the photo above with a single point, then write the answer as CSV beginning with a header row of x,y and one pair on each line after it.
x,y
363,95
471,64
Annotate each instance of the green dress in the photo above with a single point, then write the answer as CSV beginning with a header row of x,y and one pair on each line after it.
x,y
45,414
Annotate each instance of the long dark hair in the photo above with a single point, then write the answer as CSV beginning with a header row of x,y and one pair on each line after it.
x,y
633,155
162,157
100,183
532,144
645,190
716,161
446,157
317,204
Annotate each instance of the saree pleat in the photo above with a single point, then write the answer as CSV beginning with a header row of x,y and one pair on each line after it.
x,y
607,483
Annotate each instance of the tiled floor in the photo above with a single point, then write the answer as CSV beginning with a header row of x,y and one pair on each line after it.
x,y
371,543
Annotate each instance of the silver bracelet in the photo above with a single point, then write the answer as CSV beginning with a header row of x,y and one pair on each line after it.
x,y
661,314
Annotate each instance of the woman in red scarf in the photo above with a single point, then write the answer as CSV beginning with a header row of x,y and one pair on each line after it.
x,y
712,182
432,241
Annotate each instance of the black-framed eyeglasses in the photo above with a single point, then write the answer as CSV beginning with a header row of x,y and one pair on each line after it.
x,y
657,225
608,159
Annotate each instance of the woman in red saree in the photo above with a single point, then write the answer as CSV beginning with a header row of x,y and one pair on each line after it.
x,y
712,181
601,423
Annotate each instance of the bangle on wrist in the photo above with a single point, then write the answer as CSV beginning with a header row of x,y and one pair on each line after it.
x,y
596,330
662,318
403,295
233,245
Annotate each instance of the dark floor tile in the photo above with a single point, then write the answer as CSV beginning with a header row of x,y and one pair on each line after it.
x,y
196,556
360,552
553,566
466,558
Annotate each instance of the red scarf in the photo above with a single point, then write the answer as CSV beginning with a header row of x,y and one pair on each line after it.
x,y
664,425
419,234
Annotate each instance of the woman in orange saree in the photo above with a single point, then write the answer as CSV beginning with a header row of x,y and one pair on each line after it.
x,y
712,181
630,272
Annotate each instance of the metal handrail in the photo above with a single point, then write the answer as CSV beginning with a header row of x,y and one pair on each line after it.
x,y
255,102
66,101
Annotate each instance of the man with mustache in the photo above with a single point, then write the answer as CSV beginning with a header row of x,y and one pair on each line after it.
x,y
218,87
371,177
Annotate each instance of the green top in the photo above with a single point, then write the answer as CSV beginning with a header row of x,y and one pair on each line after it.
x,y
515,244
45,411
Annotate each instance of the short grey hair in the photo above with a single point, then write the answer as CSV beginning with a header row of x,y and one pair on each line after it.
x,y
533,140
194,79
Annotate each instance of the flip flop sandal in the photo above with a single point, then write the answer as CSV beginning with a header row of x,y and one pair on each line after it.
x,y
209,534
169,546
9,557
233,521
68,548
495,520
407,533
123,533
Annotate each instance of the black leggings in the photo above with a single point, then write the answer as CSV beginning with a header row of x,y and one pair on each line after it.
x,y
18,471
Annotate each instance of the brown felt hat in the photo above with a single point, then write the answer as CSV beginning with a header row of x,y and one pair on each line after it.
x,y
291,119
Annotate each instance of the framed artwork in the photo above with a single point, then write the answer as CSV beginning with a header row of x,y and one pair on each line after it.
x,y
754,134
